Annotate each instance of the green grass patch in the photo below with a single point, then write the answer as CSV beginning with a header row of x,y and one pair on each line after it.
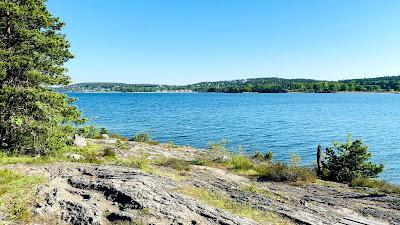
x,y
239,163
141,163
281,172
174,163
379,185
223,202
16,194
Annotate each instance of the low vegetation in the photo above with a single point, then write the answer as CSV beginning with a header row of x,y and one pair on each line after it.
x,y
224,202
345,162
16,195
379,185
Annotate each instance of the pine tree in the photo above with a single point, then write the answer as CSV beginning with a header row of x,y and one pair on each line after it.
x,y
33,118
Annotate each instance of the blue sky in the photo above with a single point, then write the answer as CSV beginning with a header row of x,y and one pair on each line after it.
x,y
182,41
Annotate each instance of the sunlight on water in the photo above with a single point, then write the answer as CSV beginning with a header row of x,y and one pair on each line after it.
x,y
283,123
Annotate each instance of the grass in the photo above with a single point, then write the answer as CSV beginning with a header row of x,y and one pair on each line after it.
x,y
223,202
141,163
239,163
281,172
381,186
253,188
174,163
16,194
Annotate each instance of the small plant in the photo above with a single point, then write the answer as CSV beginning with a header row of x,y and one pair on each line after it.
x,y
267,157
171,144
141,137
119,137
239,163
122,145
109,152
103,130
135,162
217,152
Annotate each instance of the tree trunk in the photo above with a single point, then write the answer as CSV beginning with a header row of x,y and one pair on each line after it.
x,y
319,160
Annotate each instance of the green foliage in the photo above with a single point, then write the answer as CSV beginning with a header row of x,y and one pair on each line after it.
x,y
103,130
281,172
135,162
89,132
141,137
239,163
267,157
109,152
379,185
34,119
349,160
122,145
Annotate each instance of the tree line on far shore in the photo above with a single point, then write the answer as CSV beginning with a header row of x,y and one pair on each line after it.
x,y
260,85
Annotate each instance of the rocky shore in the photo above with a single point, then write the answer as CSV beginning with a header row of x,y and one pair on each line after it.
x,y
110,193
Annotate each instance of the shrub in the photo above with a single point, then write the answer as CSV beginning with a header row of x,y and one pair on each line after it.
x,y
109,152
89,132
217,152
239,163
267,157
379,185
348,161
141,137
103,130
281,172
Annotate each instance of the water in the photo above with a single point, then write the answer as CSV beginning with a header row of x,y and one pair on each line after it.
x,y
283,123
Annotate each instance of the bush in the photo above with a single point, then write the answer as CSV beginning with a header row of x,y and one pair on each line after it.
x,y
141,137
379,185
89,132
348,161
239,163
108,152
281,172
103,131
267,157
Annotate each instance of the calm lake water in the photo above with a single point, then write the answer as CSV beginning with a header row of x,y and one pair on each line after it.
x,y
283,123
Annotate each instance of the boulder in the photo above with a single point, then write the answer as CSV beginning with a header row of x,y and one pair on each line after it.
x,y
104,136
80,141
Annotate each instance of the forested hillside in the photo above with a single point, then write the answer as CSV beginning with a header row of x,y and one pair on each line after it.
x,y
261,85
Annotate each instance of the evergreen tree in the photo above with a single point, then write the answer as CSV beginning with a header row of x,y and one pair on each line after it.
x,y
33,118
348,161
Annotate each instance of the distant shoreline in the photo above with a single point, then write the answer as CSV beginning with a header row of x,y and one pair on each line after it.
x,y
171,92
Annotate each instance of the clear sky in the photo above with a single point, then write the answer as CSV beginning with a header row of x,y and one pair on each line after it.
x,y
187,41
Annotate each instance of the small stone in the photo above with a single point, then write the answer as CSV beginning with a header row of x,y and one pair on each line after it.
x,y
73,156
